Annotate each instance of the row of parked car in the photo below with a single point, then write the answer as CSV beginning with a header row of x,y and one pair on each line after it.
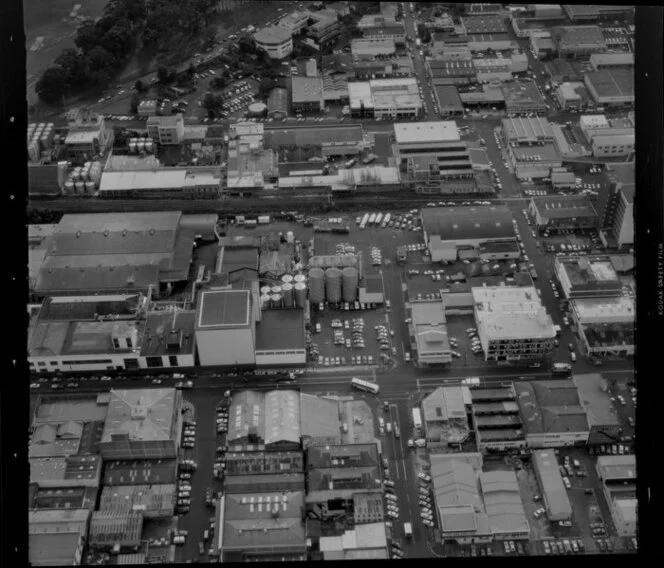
x,y
424,499
565,546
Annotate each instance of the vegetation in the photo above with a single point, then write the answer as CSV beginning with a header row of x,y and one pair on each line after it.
x,y
104,47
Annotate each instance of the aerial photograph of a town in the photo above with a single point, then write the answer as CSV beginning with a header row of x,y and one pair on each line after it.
x,y
330,281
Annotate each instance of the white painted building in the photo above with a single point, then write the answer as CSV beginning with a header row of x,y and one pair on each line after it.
x,y
277,41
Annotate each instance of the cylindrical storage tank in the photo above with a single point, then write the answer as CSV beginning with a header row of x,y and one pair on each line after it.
x,y
350,283
90,187
333,285
257,109
287,279
290,237
84,175
62,173
80,187
149,147
95,172
76,174
275,290
300,278
316,285
140,145
265,301
287,295
86,166
69,188
300,291
133,148
45,142
265,290
276,300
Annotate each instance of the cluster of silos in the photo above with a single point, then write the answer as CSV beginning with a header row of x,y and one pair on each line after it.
x,y
300,290
39,138
316,285
333,285
350,283
137,145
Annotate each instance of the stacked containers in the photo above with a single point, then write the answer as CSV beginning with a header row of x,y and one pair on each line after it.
x,y
316,285
333,285
300,289
350,283
287,295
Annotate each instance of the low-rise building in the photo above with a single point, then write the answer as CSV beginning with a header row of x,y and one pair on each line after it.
x,y
428,333
372,46
587,277
56,537
512,324
552,413
88,136
575,42
563,180
554,494
572,96
277,103
523,97
618,474
147,108
166,130
363,542
596,12
202,182
395,98
611,87
556,214
396,33
445,418
606,325
496,419
615,143
451,71
600,61
603,418
277,41
307,94
490,42
536,161
521,130
326,28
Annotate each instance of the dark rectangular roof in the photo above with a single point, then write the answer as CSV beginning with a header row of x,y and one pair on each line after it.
x,y
43,180
563,207
373,283
224,308
264,482
302,136
550,407
343,456
280,330
448,97
278,100
612,82
88,307
236,258
169,333
140,472
484,24
468,222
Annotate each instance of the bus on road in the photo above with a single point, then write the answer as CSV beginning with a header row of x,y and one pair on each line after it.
x,y
364,385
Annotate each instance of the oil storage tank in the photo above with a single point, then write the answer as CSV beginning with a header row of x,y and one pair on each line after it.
x,y
287,279
350,281
276,300
265,290
287,295
316,285
265,301
300,291
300,278
333,285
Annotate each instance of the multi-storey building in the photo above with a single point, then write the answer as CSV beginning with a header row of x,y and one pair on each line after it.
x,y
166,130
325,29
614,144
88,136
606,325
277,41
555,214
575,42
587,277
615,206
512,324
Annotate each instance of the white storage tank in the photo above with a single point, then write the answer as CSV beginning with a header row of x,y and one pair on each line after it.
x,y
276,300
275,290
316,285
300,278
80,187
70,189
265,290
333,285
265,301
300,291
62,173
149,148
84,175
290,237
140,145
133,148
90,187
95,172
350,283
287,295
287,279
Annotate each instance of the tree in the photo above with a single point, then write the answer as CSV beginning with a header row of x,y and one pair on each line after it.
x,y
212,104
74,65
265,86
133,104
165,75
88,36
218,83
140,86
52,85
247,45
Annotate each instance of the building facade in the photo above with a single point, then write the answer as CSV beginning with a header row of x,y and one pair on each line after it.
x,y
276,41
166,130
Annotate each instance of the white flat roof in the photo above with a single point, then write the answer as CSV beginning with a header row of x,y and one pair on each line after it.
x,y
82,137
596,307
171,178
418,132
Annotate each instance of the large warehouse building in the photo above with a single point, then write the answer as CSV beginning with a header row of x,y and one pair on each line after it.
x,y
554,495
448,231
142,424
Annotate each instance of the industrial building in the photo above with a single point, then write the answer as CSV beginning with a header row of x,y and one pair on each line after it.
x,y
556,214
618,474
166,130
552,414
573,96
367,67
117,253
490,42
193,182
307,94
459,232
512,324
611,87
88,136
534,161
319,421
445,418
603,420
587,277
448,100
263,471
526,130
614,144
576,42
295,22
563,179
503,505
496,419
56,537
600,61
142,424
595,12
396,33
109,531
451,71
277,41
155,501
325,28
264,420
431,154
277,103
264,526
362,542
250,164
554,495
428,333
385,98
335,474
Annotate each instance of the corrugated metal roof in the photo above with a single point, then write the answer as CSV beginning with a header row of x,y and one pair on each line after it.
x,y
282,417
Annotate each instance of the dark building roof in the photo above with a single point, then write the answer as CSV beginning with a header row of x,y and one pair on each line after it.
x,y
484,24
277,137
373,283
448,97
88,308
264,482
43,180
140,472
252,463
280,330
550,407
236,258
468,222
563,207
227,308
342,456
169,333
612,82
278,100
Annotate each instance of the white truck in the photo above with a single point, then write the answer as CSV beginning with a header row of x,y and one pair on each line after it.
x,y
471,382
417,418
408,530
